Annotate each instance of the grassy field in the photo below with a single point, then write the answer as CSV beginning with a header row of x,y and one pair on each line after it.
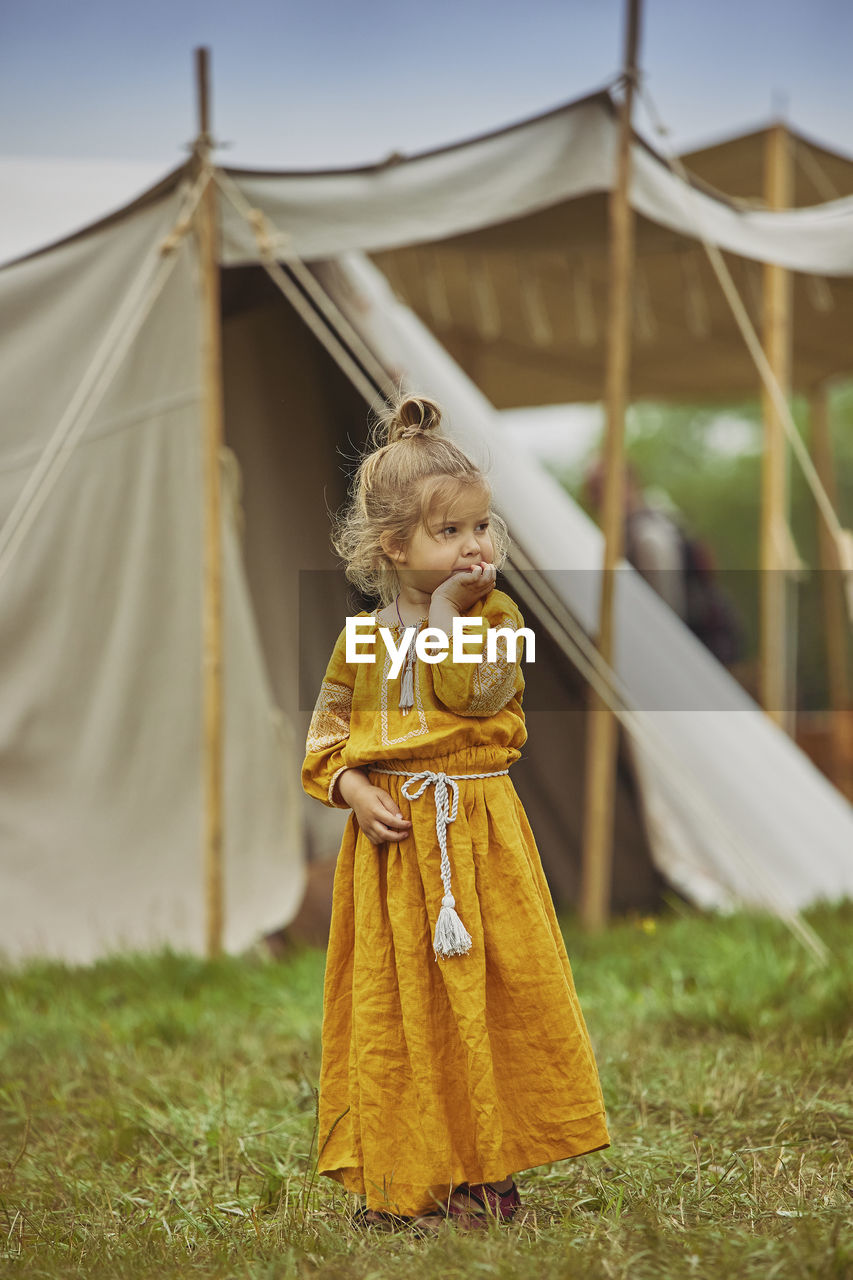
x,y
157,1119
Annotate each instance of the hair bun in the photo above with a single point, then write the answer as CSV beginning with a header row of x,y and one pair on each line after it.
x,y
412,416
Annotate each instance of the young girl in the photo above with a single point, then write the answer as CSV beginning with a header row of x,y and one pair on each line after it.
x,y
454,1049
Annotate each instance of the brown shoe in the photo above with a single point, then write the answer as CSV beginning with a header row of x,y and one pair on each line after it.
x,y
470,1208
503,1205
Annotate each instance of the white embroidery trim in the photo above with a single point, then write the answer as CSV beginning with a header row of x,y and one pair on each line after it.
x,y
330,720
422,725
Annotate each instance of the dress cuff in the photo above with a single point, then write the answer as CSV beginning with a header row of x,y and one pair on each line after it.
x,y
335,776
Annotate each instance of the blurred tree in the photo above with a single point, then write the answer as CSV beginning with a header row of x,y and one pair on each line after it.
x,y
706,460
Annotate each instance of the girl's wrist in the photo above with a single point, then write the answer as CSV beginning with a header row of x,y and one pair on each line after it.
x,y
350,782
442,612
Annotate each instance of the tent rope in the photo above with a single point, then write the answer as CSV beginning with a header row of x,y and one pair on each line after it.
x,y
111,351
273,249
186,213
843,538
580,650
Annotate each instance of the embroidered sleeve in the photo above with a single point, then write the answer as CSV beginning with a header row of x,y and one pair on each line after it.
x,y
328,732
494,683
331,717
484,688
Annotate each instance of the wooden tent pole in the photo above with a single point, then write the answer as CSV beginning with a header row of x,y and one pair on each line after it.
x,y
834,613
776,326
602,741
213,437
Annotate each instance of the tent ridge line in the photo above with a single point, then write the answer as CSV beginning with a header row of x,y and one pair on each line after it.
x,y
162,188
601,95
797,135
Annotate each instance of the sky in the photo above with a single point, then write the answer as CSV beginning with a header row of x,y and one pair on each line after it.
x,y
97,98
330,82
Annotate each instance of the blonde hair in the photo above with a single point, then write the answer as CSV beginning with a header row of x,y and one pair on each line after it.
x,y
409,470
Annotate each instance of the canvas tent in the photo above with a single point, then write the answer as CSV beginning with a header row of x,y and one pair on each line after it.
x,y
521,304
100,504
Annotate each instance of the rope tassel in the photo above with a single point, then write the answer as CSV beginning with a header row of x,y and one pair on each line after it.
x,y
451,936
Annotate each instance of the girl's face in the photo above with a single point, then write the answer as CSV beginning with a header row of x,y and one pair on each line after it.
x,y
451,543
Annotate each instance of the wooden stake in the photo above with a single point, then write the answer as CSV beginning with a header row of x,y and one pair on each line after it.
x,y
602,740
834,611
773,683
214,432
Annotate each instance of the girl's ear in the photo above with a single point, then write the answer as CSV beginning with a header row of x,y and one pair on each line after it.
x,y
392,548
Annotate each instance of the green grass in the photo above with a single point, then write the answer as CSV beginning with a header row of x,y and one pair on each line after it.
x,y
157,1119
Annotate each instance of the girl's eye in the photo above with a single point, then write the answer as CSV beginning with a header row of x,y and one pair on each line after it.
x,y
451,528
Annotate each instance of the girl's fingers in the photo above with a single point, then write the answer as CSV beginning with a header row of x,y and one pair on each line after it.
x,y
380,834
396,824
386,824
396,818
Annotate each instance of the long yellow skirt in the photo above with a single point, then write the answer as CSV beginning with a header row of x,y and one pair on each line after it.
x,y
464,1069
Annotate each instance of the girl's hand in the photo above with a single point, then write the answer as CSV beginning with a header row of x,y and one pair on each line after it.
x,y
378,816
464,587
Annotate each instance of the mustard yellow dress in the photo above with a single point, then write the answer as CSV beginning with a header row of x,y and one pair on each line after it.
x,y
470,1067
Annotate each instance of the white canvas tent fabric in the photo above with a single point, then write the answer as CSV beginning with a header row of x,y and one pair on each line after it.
x,y
100,631
557,157
100,570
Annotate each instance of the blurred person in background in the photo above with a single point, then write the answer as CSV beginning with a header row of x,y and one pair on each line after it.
x,y
679,567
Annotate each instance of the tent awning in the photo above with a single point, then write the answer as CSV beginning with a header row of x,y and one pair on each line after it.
x,y
509,175
501,246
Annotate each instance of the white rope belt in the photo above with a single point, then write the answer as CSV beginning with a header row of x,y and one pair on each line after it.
x,y
451,936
